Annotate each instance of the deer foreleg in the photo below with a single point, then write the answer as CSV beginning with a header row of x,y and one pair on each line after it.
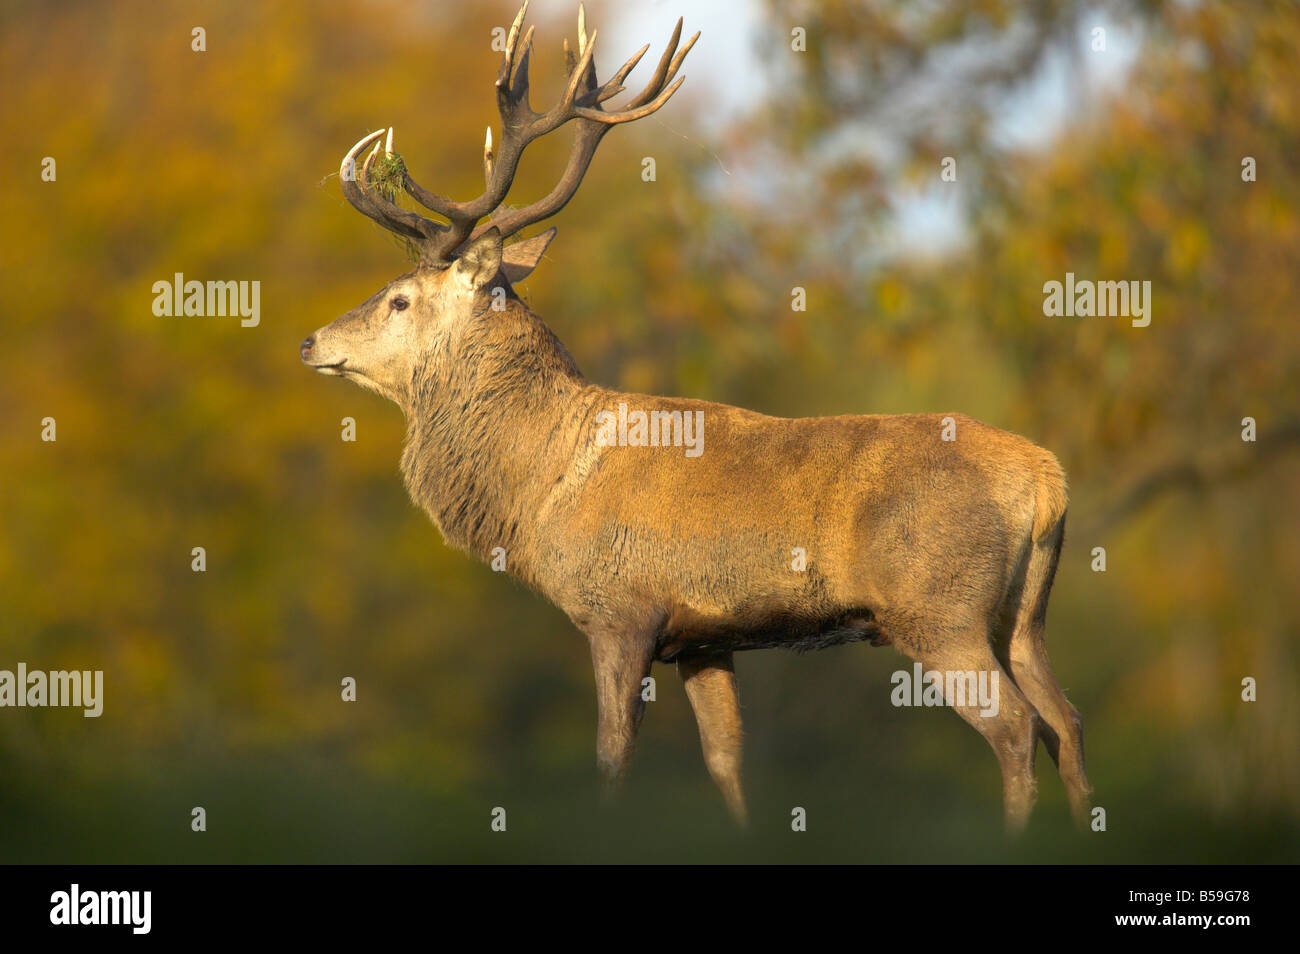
x,y
711,686
622,659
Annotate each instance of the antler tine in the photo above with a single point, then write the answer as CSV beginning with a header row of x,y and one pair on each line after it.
x,y
614,86
681,55
508,57
519,86
589,75
562,112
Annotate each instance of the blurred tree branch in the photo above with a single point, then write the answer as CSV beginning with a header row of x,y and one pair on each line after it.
x,y
1197,475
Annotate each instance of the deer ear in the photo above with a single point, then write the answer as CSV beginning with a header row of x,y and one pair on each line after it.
x,y
481,260
520,259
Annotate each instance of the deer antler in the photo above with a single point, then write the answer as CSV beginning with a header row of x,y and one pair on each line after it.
x,y
520,125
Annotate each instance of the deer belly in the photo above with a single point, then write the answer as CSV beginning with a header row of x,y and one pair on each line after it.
x,y
688,632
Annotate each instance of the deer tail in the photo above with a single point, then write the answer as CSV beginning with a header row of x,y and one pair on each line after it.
x,y
1051,498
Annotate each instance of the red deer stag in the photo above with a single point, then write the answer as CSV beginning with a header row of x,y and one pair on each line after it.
x,y
945,548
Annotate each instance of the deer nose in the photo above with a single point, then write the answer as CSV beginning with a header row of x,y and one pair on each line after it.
x,y
305,348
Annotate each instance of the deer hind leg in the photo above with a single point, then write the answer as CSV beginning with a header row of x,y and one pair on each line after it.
x,y
710,683
1011,726
621,659
1062,731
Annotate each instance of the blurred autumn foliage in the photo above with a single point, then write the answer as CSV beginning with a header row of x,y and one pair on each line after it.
x,y
222,687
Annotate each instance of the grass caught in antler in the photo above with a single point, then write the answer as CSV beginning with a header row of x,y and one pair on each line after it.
x,y
386,174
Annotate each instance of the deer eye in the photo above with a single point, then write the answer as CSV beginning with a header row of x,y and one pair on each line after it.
x,y
400,303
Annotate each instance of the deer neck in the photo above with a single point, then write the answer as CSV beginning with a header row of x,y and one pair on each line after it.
x,y
491,424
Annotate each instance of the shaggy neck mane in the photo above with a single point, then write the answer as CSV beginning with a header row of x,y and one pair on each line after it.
x,y
481,437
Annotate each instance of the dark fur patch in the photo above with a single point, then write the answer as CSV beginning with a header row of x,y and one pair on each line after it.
x,y
799,634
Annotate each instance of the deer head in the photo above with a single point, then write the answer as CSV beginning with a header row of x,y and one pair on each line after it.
x,y
381,342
